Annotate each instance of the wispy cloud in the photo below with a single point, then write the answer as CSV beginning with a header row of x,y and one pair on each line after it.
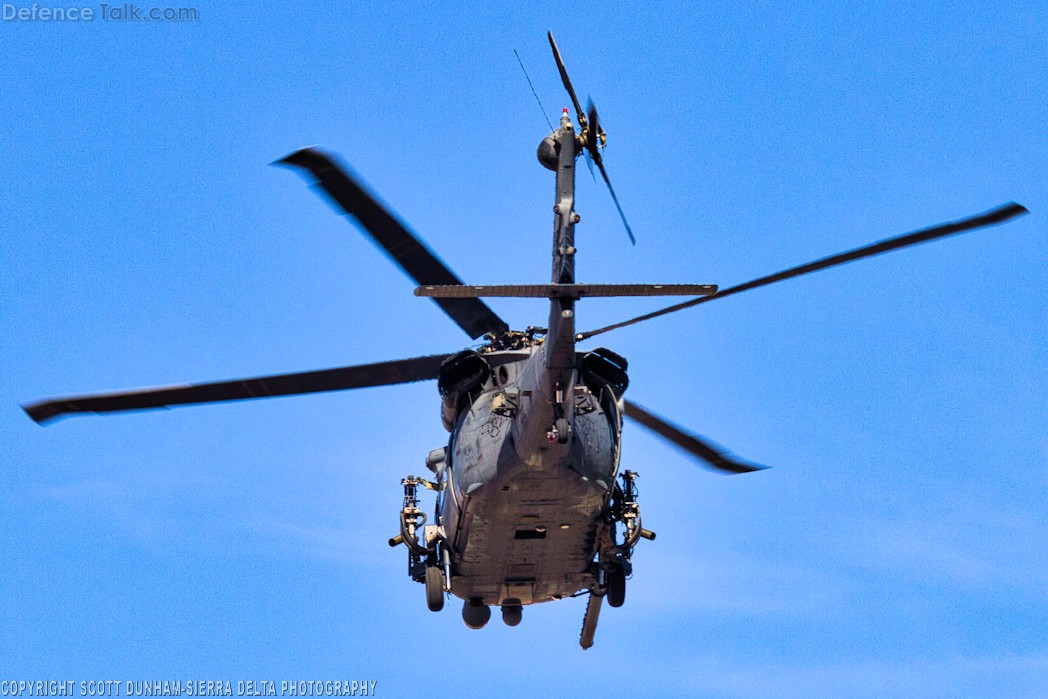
x,y
141,509
975,549
338,542
727,582
159,512
1011,675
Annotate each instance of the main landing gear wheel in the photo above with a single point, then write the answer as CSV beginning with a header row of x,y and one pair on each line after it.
x,y
434,588
615,580
475,613
563,429
512,614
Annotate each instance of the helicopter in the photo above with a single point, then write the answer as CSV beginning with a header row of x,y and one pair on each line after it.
x,y
531,502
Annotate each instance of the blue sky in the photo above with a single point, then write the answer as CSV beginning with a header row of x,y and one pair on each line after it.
x,y
897,547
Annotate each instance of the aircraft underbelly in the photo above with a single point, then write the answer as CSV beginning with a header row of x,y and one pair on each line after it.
x,y
521,531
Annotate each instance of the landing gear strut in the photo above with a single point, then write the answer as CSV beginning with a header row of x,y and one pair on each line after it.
x,y
428,562
613,564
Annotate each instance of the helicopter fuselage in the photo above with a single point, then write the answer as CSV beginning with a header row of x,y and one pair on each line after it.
x,y
533,453
522,508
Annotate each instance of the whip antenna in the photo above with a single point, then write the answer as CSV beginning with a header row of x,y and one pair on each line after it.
x,y
541,108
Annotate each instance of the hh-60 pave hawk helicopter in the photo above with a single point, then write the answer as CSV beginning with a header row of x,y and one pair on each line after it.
x,y
530,504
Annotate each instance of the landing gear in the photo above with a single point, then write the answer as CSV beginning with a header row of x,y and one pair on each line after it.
x,y
560,432
434,588
563,429
615,583
615,558
613,565
428,559
512,614
475,613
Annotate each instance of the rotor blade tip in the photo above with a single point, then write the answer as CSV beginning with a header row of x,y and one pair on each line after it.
x,y
747,468
300,157
41,413
1020,210
1005,212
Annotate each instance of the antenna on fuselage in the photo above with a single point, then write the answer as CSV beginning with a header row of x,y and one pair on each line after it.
x,y
532,86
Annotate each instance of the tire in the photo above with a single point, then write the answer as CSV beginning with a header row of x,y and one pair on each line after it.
x,y
615,581
434,588
563,428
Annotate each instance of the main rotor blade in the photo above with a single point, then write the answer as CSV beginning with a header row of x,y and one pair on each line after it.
x,y
693,444
993,217
403,246
593,143
565,79
342,378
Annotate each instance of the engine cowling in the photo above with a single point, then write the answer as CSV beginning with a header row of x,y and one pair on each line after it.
x,y
461,378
